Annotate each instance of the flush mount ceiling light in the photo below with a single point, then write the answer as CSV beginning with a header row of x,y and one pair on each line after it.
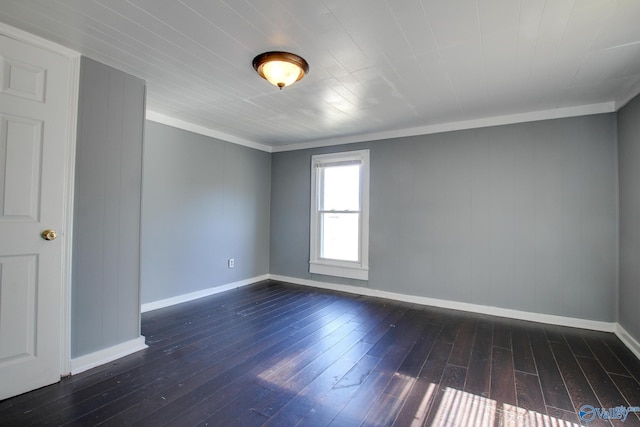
x,y
280,68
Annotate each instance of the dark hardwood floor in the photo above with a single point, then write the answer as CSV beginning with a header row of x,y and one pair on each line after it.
x,y
282,355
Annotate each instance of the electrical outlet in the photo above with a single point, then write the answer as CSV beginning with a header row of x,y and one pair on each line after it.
x,y
231,263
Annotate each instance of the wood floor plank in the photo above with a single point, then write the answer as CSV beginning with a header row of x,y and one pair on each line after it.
x,y
529,392
239,408
605,356
461,351
398,341
577,384
450,325
384,327
334,365
388,333
503,387
386,407
225,330
169,317
278,399
554,333
192,380
502,333
288,414
211,365
453,379
295,363
605,389
553,387
377,311
402,383
389,404
577,344
206,317
630,389
90,378
478,380
328,405
417,356
357,408
281,354
561,414
418,403
624,355
522,355
217,380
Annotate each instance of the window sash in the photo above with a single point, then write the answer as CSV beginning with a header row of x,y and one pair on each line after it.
x,y
343,245
323,262
321,178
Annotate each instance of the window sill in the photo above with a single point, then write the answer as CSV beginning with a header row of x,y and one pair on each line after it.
x,y
358,273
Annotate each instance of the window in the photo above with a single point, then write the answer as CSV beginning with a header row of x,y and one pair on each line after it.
x,y
340,214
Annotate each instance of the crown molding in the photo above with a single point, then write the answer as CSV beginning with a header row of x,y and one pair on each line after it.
x,y
631,94
202,130
533,116
557,113
34,40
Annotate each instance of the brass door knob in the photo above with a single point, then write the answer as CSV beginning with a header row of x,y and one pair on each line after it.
x,y
49,234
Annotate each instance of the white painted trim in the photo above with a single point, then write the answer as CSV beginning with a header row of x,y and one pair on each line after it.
x,y
628,340
202,130
454,305
558,113
348,272
352,270
155,305
69,183
70,166
100,357
632,93
29,38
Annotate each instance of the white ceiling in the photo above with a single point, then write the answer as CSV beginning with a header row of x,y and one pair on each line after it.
x,y
376,66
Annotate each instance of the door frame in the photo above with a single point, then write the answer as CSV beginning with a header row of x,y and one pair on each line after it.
x,y
69,183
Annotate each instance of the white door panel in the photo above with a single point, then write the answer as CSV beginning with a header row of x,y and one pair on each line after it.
x,y
34,105
21,142
18,278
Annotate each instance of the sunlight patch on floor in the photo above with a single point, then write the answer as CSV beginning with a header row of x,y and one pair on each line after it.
x,y
459,408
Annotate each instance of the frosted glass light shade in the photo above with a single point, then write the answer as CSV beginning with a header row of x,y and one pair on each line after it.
x,y
281,73
280,68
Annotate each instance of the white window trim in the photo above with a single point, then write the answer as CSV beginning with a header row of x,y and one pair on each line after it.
x,y
351,270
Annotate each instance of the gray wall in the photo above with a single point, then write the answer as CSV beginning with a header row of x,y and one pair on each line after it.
x,y
204,201
629,167
106,239
521,216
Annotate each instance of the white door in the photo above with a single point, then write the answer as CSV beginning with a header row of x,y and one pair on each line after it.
x,y
34,106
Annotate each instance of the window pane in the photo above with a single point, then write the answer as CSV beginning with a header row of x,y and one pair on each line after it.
x,y
340,236
341,190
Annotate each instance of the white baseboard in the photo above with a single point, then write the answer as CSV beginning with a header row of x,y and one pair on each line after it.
x,y
454,305
628,340
550,319
154,305
100,357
